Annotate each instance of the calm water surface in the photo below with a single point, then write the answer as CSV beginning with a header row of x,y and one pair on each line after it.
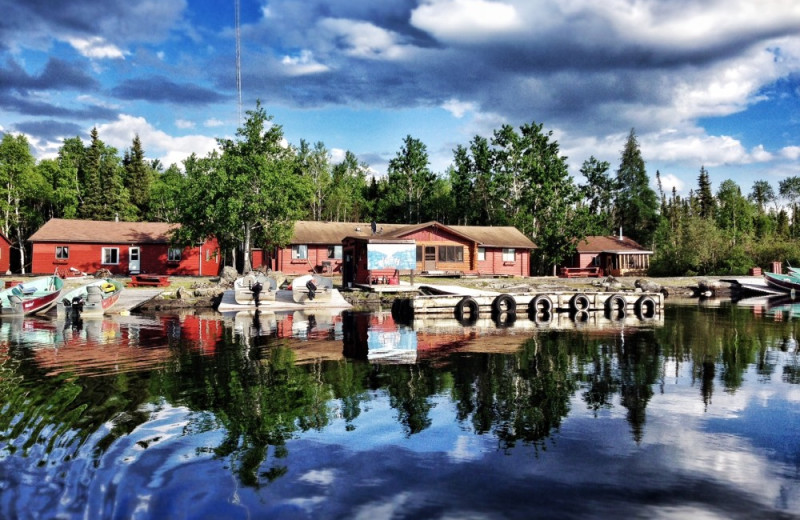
x,y
695,414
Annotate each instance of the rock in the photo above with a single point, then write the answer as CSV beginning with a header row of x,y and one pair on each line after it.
x,y
229,275
647,285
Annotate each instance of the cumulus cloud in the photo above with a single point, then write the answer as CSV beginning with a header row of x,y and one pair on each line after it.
x,y
363,39
302,64
96,47
156,143
458,108
466,20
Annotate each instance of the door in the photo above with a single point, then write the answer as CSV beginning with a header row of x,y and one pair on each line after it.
x,y
430,258
134,263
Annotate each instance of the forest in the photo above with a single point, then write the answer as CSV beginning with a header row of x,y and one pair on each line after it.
x,y
251,189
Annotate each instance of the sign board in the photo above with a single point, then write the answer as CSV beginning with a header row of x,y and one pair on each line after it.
x,y
391,256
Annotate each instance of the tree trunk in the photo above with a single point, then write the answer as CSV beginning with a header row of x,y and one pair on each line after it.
x,y
246,247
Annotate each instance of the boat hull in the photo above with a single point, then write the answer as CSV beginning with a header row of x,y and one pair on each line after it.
x,y
243,289
782,282
92,299
301,294
35,296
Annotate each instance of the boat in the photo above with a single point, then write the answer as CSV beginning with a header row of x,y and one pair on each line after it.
x,y
783,282
34,296
254,286
91,299
302,293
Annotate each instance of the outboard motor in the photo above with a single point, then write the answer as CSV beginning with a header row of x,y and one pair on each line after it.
x,y
77,304
312,289
256,288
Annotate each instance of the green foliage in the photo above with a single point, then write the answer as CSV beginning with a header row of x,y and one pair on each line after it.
x,y
636,205
409,182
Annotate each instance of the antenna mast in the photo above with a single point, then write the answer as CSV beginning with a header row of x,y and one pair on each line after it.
x,y
238,62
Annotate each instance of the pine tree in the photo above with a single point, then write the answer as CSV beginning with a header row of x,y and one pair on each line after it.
x,y
636,202
138,178
705,198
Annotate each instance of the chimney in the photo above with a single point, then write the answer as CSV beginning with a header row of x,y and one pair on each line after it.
x,y
620,233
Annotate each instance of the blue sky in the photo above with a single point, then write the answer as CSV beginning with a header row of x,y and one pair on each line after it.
x,y
712,83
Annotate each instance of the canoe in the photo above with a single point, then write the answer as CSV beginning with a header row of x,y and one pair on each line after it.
x,y
91,299
34,296
322,293
783,282
243,289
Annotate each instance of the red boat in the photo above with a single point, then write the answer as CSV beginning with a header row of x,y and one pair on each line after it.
x,y
30,297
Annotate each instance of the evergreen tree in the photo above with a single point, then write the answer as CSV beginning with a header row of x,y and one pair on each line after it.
x,y
347,197
705,198
636,203
139,178
91,188
762,194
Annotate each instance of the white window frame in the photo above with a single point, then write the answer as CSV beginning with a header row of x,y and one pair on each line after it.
x,y
174,254
300,252
481,254
62,252
509,254
106,252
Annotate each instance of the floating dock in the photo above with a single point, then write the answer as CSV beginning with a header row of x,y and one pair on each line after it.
x,y
469,307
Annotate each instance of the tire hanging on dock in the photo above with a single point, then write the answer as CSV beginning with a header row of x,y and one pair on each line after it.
x,y
579,302
645,308
540,303
471,307
504,303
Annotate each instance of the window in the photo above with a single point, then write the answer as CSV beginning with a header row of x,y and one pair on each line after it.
x,y
419,253
110,255
173,254
481,254
335,252
451,253
300,252
62,252
509,255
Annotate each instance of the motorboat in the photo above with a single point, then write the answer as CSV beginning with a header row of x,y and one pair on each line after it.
x,y
37,295
92,299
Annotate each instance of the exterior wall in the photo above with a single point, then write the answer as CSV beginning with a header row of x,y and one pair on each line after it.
x,y
438,237
5,255
494,264
153,259
317,254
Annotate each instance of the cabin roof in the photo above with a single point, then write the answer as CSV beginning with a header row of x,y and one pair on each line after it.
x,y
310,232
610,244
107,232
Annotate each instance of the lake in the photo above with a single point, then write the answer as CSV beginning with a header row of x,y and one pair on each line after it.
x,y
200,415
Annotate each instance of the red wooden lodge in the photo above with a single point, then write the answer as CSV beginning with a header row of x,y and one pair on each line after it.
x,y
608,255
330,247
5,254
124,248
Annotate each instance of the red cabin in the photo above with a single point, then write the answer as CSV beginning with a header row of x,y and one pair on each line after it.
x,y
124,248
439,249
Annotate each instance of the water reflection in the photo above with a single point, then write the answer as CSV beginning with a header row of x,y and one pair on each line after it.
x,y
139,406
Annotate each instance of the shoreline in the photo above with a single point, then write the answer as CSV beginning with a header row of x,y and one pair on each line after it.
x,y
195,292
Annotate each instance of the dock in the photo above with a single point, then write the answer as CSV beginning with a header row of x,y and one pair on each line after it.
x,y
132,299
468,305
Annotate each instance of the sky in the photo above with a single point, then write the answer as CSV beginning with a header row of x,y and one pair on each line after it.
x,y
703,83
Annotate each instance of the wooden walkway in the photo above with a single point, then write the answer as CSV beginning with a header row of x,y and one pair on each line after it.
x,y
131,299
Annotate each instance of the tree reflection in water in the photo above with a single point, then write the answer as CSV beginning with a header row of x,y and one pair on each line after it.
x,y
259,397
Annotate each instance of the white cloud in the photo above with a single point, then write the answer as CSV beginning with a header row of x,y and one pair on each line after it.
x,y
303,64
759,154
364,39
96,47
791,152
156,143
669,181
213,122
324,477
458,108
466,20
183,123
337,155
